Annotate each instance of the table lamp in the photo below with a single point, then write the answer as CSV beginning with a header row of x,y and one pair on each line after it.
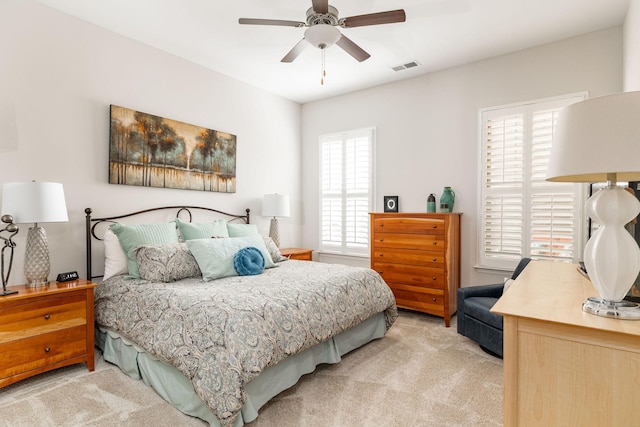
x,y
275,205
598,140
34,202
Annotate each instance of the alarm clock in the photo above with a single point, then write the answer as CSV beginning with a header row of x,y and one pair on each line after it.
x,y
67,277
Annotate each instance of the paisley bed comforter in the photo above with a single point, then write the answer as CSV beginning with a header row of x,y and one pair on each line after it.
x,y
222,334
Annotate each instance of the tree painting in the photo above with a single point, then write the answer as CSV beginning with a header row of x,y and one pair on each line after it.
x,y
152,151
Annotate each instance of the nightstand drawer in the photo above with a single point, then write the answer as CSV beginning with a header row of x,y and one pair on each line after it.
x,y
42,316
41,350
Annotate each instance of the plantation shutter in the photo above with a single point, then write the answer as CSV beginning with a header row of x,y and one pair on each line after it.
x,y
522,215
346,191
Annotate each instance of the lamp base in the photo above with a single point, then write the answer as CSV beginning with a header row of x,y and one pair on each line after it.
x,y
6,292
624,310
274,231
36,262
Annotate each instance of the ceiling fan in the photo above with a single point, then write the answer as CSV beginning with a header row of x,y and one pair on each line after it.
x,y
322,20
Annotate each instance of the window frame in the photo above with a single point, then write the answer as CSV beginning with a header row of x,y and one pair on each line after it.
x,y
345,248
528,190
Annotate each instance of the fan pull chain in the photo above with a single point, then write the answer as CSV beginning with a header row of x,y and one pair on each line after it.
x,y
323,72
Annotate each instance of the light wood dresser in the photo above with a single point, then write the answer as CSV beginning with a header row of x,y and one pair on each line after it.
x,y
562,366
45,328
418,255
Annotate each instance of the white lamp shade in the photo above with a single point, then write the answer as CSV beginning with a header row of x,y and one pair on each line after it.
x,y
33,202
276,205
322,35
597,137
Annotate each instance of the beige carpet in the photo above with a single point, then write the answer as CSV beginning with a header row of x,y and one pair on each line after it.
x,y
420,374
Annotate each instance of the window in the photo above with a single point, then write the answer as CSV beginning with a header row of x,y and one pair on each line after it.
x,y
522,215
346,191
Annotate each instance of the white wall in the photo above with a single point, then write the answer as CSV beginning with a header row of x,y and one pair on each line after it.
x,y
632,47
57,79
427,127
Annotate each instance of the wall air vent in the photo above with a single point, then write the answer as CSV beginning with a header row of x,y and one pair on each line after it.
x,y
405,66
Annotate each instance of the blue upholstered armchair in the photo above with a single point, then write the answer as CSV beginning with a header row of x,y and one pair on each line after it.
x,y
475,321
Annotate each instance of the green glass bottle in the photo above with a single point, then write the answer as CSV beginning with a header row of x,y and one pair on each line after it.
x,y
447,199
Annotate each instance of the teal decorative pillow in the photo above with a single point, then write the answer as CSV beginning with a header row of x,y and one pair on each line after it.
x,y
166,262
202,230
215,257
248,261
242,230
131,236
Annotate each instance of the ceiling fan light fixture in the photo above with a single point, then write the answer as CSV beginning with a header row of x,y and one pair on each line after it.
x,y
322,35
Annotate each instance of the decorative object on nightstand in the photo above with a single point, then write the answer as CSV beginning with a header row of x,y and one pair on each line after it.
x,y
12,229
300,254
599,140
275,205
35,202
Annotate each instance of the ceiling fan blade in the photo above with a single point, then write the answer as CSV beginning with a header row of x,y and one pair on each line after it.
x,y
374,19
320,6
252,21
297,50
352,49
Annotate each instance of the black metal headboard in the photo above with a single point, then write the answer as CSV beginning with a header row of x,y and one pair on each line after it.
x,y
92,223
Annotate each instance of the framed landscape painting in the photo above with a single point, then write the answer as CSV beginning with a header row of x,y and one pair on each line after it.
x,y
152,151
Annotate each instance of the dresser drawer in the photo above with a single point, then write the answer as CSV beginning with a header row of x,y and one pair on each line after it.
x,y
409,225
23,355
429,242
42,316
421,299
411,275
409,257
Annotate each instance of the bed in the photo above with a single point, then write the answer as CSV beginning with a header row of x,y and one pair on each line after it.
x,y
218,342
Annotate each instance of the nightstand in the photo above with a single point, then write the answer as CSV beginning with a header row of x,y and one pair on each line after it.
x,y
45,328
297,253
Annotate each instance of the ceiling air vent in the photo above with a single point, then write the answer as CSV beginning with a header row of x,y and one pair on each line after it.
x,y
405,66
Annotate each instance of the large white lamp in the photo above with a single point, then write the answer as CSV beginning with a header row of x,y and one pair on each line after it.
x,y
275,205
598,140
34,202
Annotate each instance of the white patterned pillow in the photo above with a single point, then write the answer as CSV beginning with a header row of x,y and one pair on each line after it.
x,y
166,262
274,251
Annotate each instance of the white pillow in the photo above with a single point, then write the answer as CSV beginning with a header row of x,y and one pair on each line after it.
x,y
115,261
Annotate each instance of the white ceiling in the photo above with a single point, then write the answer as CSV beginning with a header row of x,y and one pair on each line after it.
x,y
437,33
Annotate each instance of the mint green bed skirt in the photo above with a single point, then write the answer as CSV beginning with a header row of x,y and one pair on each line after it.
x,y
176,389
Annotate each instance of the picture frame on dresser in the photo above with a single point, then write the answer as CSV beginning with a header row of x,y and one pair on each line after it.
x,y
391,203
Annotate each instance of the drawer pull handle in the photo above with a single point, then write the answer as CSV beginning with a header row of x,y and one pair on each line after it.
x,y
433,278
435,259
435,226
47,349
47,316
435,243
433,299
381,225
381,254
381,240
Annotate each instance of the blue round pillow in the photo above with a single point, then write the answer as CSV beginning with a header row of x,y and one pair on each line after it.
x,y
249,261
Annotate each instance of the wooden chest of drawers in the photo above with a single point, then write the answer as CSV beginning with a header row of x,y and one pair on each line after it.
x,y
45,328
418,255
